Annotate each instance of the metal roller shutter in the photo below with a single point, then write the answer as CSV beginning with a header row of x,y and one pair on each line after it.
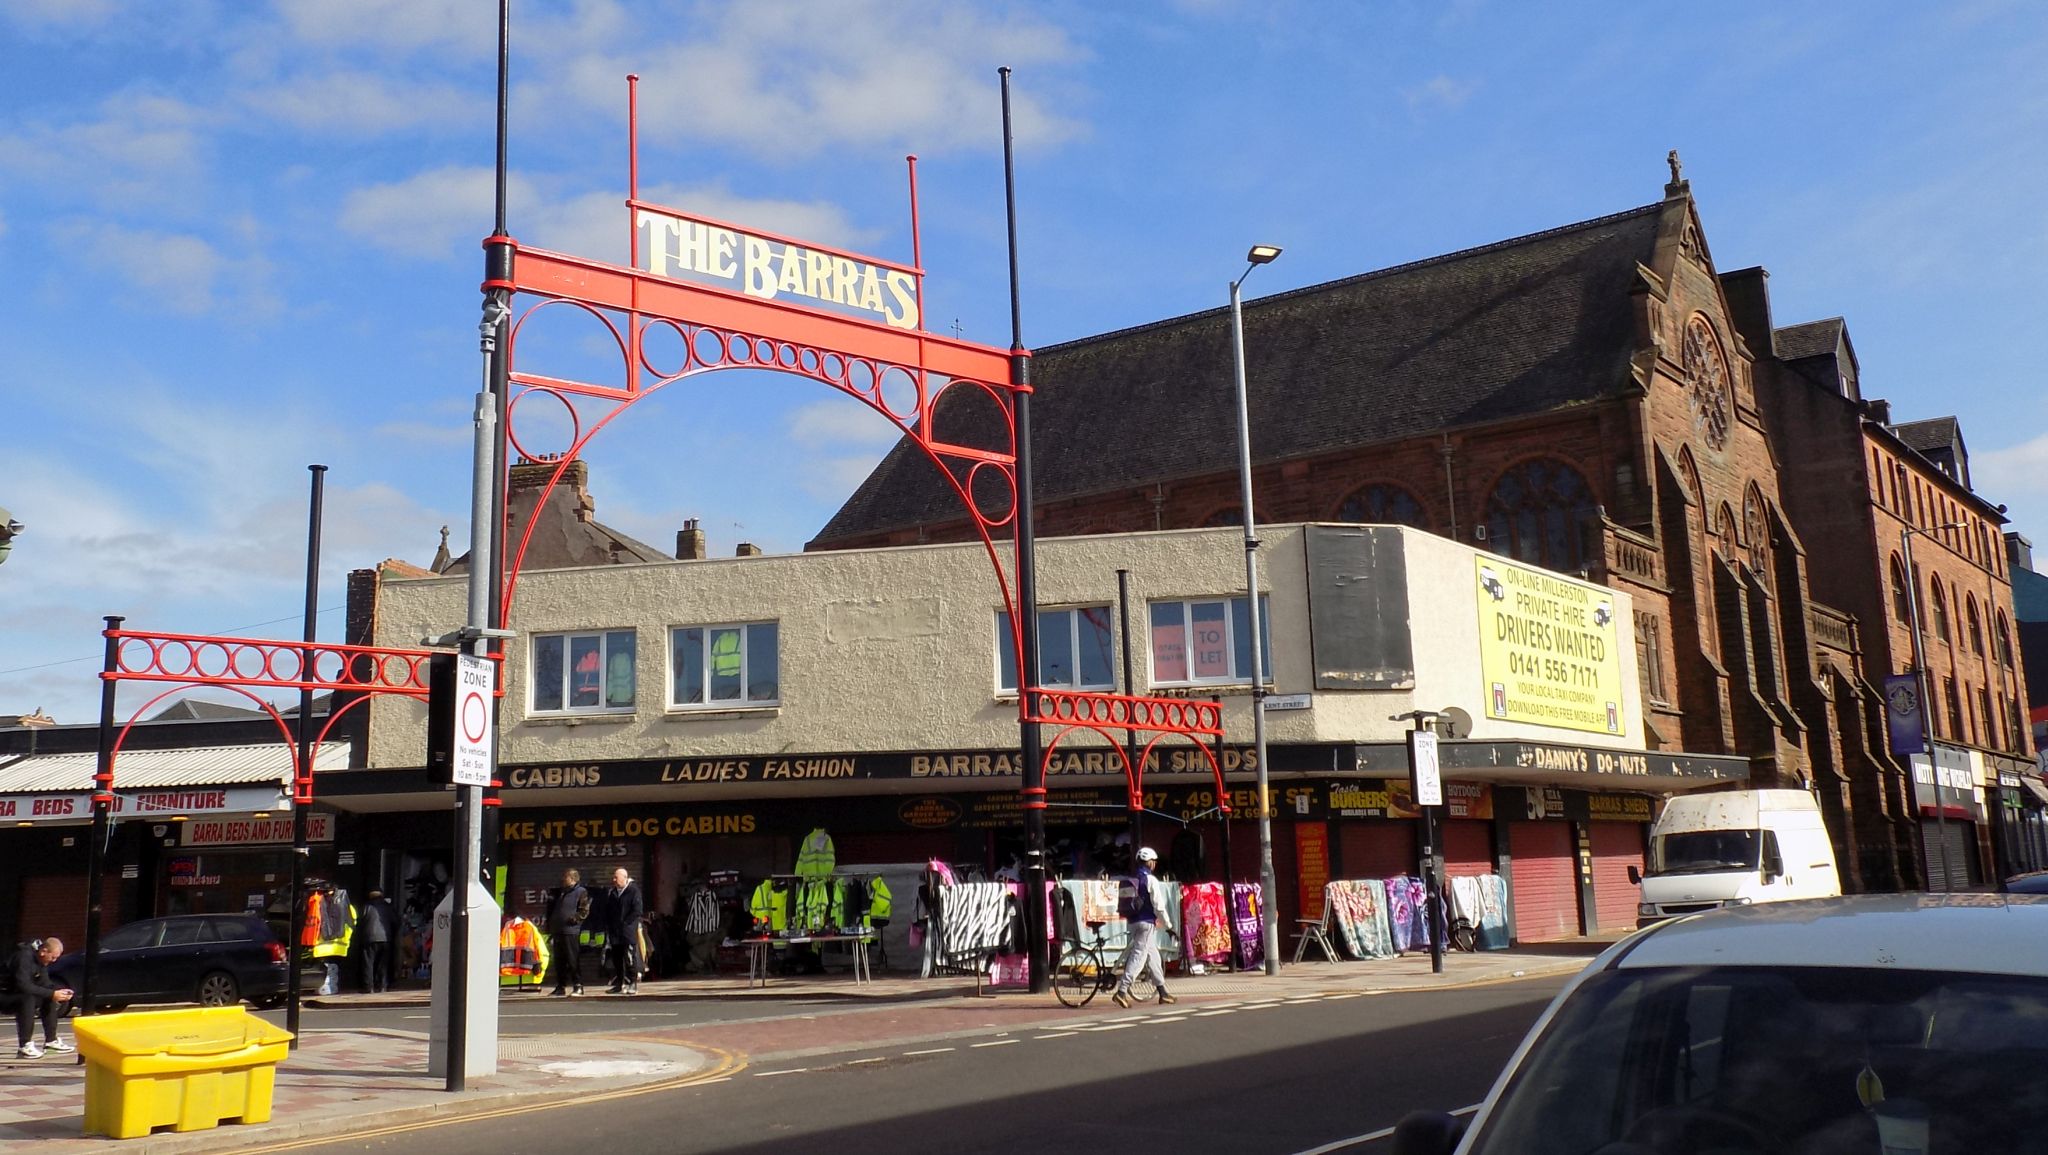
x,y
536,868
1376,849
1545,882
1468,847
1616,847
1962,853
53,905
895,847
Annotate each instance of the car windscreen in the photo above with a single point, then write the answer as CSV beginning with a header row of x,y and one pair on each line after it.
x,y
1817,1061
1704,851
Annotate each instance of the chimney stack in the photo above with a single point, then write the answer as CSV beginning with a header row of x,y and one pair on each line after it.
x,y
747,549
690,541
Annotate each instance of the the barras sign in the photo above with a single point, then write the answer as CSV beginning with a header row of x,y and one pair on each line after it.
x,y
705,252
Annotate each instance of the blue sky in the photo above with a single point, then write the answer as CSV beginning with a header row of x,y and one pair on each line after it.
x,y
241,237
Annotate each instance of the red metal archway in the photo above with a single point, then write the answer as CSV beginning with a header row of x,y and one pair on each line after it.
x,y
715,327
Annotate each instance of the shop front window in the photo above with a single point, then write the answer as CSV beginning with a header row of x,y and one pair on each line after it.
x,y
1076,650
1207,642
583,673
724,666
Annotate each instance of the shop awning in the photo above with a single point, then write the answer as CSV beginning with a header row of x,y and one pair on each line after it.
x,y
175,783
2034,786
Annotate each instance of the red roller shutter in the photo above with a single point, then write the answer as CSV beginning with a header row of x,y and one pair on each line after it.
x,y
1468,847
1546,886
1375,849
1616,847
53,906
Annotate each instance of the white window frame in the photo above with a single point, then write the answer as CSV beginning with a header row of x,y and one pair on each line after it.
x,y
743,702
1232,678
1073,613
604,656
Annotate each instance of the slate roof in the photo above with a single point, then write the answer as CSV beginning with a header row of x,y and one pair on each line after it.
x,y
1510,329
1935,433
1812,339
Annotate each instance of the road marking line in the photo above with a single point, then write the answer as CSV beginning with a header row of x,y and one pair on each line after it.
x,y
729,1064
997,1043
1369,1136
1169,1019
1056,1035
1111,1027
1224,1011
932,1051
858,1062
1347,995
772,1074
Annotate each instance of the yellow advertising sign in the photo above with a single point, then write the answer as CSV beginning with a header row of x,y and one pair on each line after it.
x,y
1549,648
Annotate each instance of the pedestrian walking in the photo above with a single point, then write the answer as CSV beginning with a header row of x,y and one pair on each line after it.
x,y
36,998
623,910
1148,919
376,929
568,910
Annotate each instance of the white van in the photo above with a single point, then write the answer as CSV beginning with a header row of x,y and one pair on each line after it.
x,y
1733,848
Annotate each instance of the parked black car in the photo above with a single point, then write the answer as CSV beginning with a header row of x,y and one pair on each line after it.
x,y
215,960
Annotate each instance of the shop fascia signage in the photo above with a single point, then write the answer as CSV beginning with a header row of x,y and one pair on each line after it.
x,y
254,831
76,806
705,252
1089,762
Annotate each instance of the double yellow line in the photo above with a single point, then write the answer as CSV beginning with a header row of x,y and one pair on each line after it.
x,y
729,1063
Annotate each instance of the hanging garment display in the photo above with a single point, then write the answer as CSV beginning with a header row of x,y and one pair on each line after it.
x,y
1097,898
1401,921
522,952
974,920
814,856
1205,936
1358,906
1481,902
1247,910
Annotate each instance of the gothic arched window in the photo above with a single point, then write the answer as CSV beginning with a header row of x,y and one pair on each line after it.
x,y
1902,605
2003,640
1227,515
1382,504
1535,513
1706,381
1973,625
1757,533
1940,607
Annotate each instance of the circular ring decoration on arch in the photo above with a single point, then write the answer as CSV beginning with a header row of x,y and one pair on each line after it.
x,y
512,423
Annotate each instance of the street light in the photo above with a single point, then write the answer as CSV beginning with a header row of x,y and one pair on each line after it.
x,y
1269,932
1920,680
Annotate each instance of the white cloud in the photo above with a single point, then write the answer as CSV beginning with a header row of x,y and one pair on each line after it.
x,y
839,421
356,104
141,150
1439,92
445,211
60,13
177,271
788,77
2016,474
398,26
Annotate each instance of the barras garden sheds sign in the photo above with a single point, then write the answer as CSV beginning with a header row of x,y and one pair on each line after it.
x,y
1548,649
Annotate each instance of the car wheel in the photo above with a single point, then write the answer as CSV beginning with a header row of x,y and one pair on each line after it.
x,y
218,989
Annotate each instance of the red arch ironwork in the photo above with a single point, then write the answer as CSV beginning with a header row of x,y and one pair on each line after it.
x,y
720,328
198,661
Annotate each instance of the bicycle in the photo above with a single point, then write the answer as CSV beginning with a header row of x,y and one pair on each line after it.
x,y
1081,971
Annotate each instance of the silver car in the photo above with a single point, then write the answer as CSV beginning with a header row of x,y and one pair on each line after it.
x,y
1882,1025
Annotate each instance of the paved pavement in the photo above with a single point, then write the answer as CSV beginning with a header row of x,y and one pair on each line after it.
x,y
351,1077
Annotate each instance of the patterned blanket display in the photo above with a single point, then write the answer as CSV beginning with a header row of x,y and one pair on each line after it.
x,y
1380,918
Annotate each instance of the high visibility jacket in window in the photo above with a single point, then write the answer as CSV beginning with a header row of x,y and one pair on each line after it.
x,y
725,654
522,950
814,856
767,906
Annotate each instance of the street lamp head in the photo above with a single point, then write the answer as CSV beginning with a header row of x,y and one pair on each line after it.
x,y
1262,254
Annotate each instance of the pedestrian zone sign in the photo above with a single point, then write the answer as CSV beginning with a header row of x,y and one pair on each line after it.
x,y
475,737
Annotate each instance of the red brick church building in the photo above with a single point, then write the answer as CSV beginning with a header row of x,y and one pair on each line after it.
x,y
1583,398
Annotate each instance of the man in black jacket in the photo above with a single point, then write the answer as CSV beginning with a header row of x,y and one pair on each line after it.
x,y
37,996
567,909
623,910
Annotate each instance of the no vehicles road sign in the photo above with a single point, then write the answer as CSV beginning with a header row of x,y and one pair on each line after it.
x,y
475,682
